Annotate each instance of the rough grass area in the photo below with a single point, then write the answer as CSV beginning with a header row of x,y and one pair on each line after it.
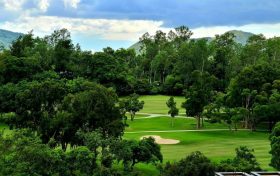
x,y
156,104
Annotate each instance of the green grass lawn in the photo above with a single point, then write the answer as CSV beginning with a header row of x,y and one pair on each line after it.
x,y
156,104
215,145
164,123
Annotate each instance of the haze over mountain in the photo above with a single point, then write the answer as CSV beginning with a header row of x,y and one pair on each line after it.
x,y
7,37
240,37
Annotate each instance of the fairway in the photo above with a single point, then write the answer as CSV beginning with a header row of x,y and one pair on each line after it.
x,y
156,104
215,145
164,123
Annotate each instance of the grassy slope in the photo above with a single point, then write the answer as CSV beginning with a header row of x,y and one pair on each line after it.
x,y
156,104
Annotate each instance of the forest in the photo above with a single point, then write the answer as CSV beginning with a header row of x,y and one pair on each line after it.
x,y
67,108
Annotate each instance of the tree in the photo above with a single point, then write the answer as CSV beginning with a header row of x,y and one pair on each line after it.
x,y
254,51
244,161
224,52
27,155
173,110
133,105
199,95
132,152
90,110
195,164
24,42
275,147
251,88
80,161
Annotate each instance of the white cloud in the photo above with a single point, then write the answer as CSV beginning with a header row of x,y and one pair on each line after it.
x,y
126,30
13,5
44,5
129,30
72,3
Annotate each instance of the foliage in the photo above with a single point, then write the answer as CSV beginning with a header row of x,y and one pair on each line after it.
x,y
199,95
133,152
173,110
195,164
275,146
244,161
132,105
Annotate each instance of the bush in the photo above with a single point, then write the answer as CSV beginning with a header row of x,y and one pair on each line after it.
x,y
275,147
196,164
244,161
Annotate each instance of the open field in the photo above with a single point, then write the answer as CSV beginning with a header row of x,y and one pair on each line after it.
x,y
156,104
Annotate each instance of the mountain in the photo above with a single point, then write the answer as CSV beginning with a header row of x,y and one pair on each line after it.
x,y
240,37
7,37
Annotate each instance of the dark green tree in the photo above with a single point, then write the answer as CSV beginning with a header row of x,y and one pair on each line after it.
x,y
131,152
199,95
195,164
132,105
275,147
173,110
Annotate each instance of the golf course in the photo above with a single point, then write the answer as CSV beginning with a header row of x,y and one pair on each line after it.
x,y
215,140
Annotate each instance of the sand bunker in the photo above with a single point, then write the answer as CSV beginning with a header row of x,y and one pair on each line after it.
x,y
160,140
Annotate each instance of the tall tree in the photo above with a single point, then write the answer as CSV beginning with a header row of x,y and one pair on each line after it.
x,y
224,51
173,110
133,105
199,95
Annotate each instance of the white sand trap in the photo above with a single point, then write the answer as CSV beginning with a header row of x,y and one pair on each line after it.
x,y
160,140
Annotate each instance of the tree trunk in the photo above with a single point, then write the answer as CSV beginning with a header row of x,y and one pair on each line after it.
x,y
198,122
131,116
64,146
132,165
247,117
202,122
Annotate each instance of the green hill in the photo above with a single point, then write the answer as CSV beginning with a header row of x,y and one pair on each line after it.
x,y
7,37
240,37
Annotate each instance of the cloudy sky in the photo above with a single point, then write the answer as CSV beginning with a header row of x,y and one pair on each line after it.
x,y
96,24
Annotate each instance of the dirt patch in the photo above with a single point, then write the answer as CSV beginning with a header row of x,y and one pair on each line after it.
x,y
160,140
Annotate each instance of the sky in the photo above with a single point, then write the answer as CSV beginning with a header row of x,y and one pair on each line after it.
x,y
96,24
